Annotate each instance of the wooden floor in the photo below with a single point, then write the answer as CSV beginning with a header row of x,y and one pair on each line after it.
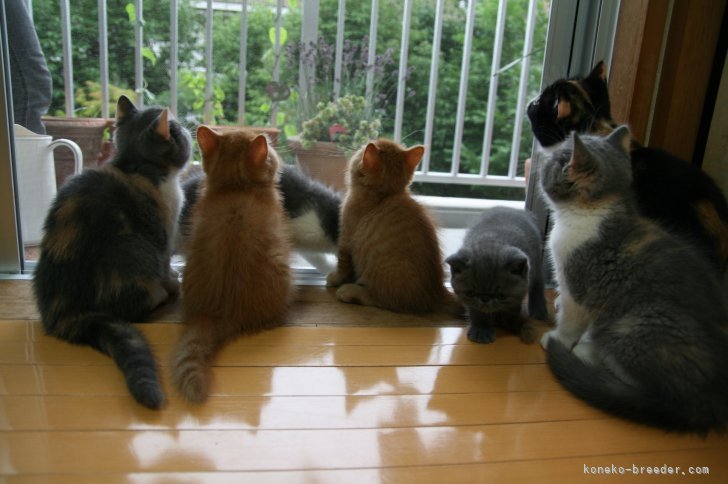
x,y
342,394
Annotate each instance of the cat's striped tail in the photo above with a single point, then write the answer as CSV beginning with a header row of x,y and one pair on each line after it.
x,y
191,362
129,349
662,405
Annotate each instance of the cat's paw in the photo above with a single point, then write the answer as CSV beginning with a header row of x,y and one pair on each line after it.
x,y
480,334
354,294
547,337
334,279
527,333
171,284
347,294
157,295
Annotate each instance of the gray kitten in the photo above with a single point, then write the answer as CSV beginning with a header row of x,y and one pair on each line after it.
x,y
498,264
642,322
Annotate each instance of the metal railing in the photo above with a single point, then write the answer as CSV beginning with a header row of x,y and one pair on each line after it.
x,y
309,32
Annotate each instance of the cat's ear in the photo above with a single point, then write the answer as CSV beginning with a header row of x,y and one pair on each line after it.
x,y
258,150
599,72
413,156
458,262
162,127
124,107
207,139
621,138
371,160
580,157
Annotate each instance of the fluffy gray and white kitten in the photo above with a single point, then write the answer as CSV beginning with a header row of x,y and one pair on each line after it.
x,y
642,322
312,208
498,264
108,238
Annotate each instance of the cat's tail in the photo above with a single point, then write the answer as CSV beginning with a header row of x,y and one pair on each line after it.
x,y
191,359
129,349
666,409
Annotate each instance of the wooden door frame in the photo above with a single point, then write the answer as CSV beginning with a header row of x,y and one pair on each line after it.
x,y
666,55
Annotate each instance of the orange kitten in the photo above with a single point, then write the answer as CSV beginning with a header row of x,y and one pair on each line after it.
x,y
237,278
389,254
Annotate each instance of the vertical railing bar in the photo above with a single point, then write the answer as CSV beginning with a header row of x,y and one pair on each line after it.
x,y
173,54
432,94
207,116
277,60
67,57
103,59
522,86
493,89
340,22
307,69
402,75
138,66
373,23
243,62
464,71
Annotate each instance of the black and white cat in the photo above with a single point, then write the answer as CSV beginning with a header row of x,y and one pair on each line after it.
x,y
642,321
312,208
108,238
499,264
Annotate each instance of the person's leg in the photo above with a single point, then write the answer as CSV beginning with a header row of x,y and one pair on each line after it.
x,y
29,75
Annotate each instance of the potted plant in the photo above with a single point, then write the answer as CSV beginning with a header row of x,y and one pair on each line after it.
x,y
88,129
327,140
324,128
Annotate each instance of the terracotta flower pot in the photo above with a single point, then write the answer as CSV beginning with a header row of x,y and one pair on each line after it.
x,y
88,133
272,133
324,161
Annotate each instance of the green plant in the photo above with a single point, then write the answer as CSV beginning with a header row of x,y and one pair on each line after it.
x,y
191,92
88,98
301,93
344,121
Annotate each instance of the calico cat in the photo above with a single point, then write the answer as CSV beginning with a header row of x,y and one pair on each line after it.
x,y
498,264
312,208
237,278
671,191
105,253
389,253
642,322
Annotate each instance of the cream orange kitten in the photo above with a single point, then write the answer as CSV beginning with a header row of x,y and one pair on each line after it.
x,y
389,254
237,279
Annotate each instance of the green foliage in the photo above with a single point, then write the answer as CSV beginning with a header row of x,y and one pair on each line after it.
x,y
291,111
343,120
191,93
88,97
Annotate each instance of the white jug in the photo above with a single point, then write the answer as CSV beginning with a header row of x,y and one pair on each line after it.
x,y
37,178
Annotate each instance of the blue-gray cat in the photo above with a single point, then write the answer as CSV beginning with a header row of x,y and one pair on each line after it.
x,y
498,264
642,321
108,238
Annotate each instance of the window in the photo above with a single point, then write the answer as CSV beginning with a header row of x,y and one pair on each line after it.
x,y
454,75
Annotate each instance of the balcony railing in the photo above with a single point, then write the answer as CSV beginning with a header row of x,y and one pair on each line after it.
x,y
529,63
